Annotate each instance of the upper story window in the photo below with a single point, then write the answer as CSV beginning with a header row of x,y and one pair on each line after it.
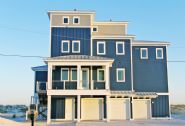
x,y
101,48
76,20
95,29
144,53
65,46
159,53
120,48
73,74
64,74
65,20
120,72
76,46
100,75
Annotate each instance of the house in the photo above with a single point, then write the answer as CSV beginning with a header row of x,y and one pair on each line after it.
x,y
97,71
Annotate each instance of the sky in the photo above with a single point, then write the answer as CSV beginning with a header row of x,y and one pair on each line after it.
x,y
24,30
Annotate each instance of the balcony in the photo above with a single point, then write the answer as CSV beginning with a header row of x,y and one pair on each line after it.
x,y
41,87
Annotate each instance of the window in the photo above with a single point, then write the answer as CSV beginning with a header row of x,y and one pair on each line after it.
x,y
76,46
144,53
65,20
120,75
65,46
73,74
101,48
100,75
76,20
95,29
159,53
120,48
64,74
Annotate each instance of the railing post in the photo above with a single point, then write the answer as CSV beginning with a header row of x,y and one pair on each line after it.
x,y
91,78
50,70
107,77
78,77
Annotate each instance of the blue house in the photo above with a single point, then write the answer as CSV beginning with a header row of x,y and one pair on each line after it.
x,y
97,71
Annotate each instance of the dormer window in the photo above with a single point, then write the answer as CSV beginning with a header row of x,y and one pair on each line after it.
x,y
76,20
65,20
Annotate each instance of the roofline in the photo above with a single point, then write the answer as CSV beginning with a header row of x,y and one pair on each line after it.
x,y
77,60
150,43
111,22
113,36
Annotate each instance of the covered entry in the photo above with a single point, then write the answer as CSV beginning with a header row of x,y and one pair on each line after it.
x,y
92,108
119,108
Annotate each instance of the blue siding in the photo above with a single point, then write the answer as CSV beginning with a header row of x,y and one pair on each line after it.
x,y
40,76
59,34
120,61
150,75
160,106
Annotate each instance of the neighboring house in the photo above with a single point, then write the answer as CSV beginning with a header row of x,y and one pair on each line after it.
x,y
96,71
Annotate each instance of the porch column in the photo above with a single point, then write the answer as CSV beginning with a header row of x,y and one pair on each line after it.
x,y
108,107
49,110
78,77
50,70
78,108
91,81
107,77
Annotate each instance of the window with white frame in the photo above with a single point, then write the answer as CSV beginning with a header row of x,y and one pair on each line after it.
x,y
144,53
65,20
76,46
64,74
73,74
120,74
65,46
101,48
159,53
100,75
120,48
76,20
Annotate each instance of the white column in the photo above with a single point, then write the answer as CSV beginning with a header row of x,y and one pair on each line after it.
x,y
108,107
78,108
49,110
78,77
107,79
50,70
91,81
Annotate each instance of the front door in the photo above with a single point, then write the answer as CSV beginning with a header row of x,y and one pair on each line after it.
x,y
85,78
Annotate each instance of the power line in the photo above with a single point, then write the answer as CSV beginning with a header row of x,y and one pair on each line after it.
x,y
22,56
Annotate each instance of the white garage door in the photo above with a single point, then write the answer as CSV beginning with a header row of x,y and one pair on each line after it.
x,y
92,108
119,108
141,108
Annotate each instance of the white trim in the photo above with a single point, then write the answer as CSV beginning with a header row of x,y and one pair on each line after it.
x,y
104,47
141,53
67,73
159,49
70,26
163,93
72,74
65,41
94,27
123,46
112,37
111,22
98,75
150,43
76,41
131,58
74,20
63,19
120,69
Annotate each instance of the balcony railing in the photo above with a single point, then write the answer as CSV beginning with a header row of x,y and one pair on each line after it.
x,y
71,85
41,86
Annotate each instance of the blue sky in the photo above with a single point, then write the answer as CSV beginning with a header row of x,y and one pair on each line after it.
x,y
24,29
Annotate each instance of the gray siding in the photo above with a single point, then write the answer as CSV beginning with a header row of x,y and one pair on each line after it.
x,y
160,106
120,61
40,76
150,75
59,34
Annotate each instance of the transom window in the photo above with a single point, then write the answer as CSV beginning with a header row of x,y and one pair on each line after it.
x,y
76,46
120,48
73,74
101,48
159,53
64,74
76,20
120,74
65,46
100,75
144,53
65,20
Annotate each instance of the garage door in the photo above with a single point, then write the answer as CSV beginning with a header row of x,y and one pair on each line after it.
x,y
141,109
92,108
119,108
